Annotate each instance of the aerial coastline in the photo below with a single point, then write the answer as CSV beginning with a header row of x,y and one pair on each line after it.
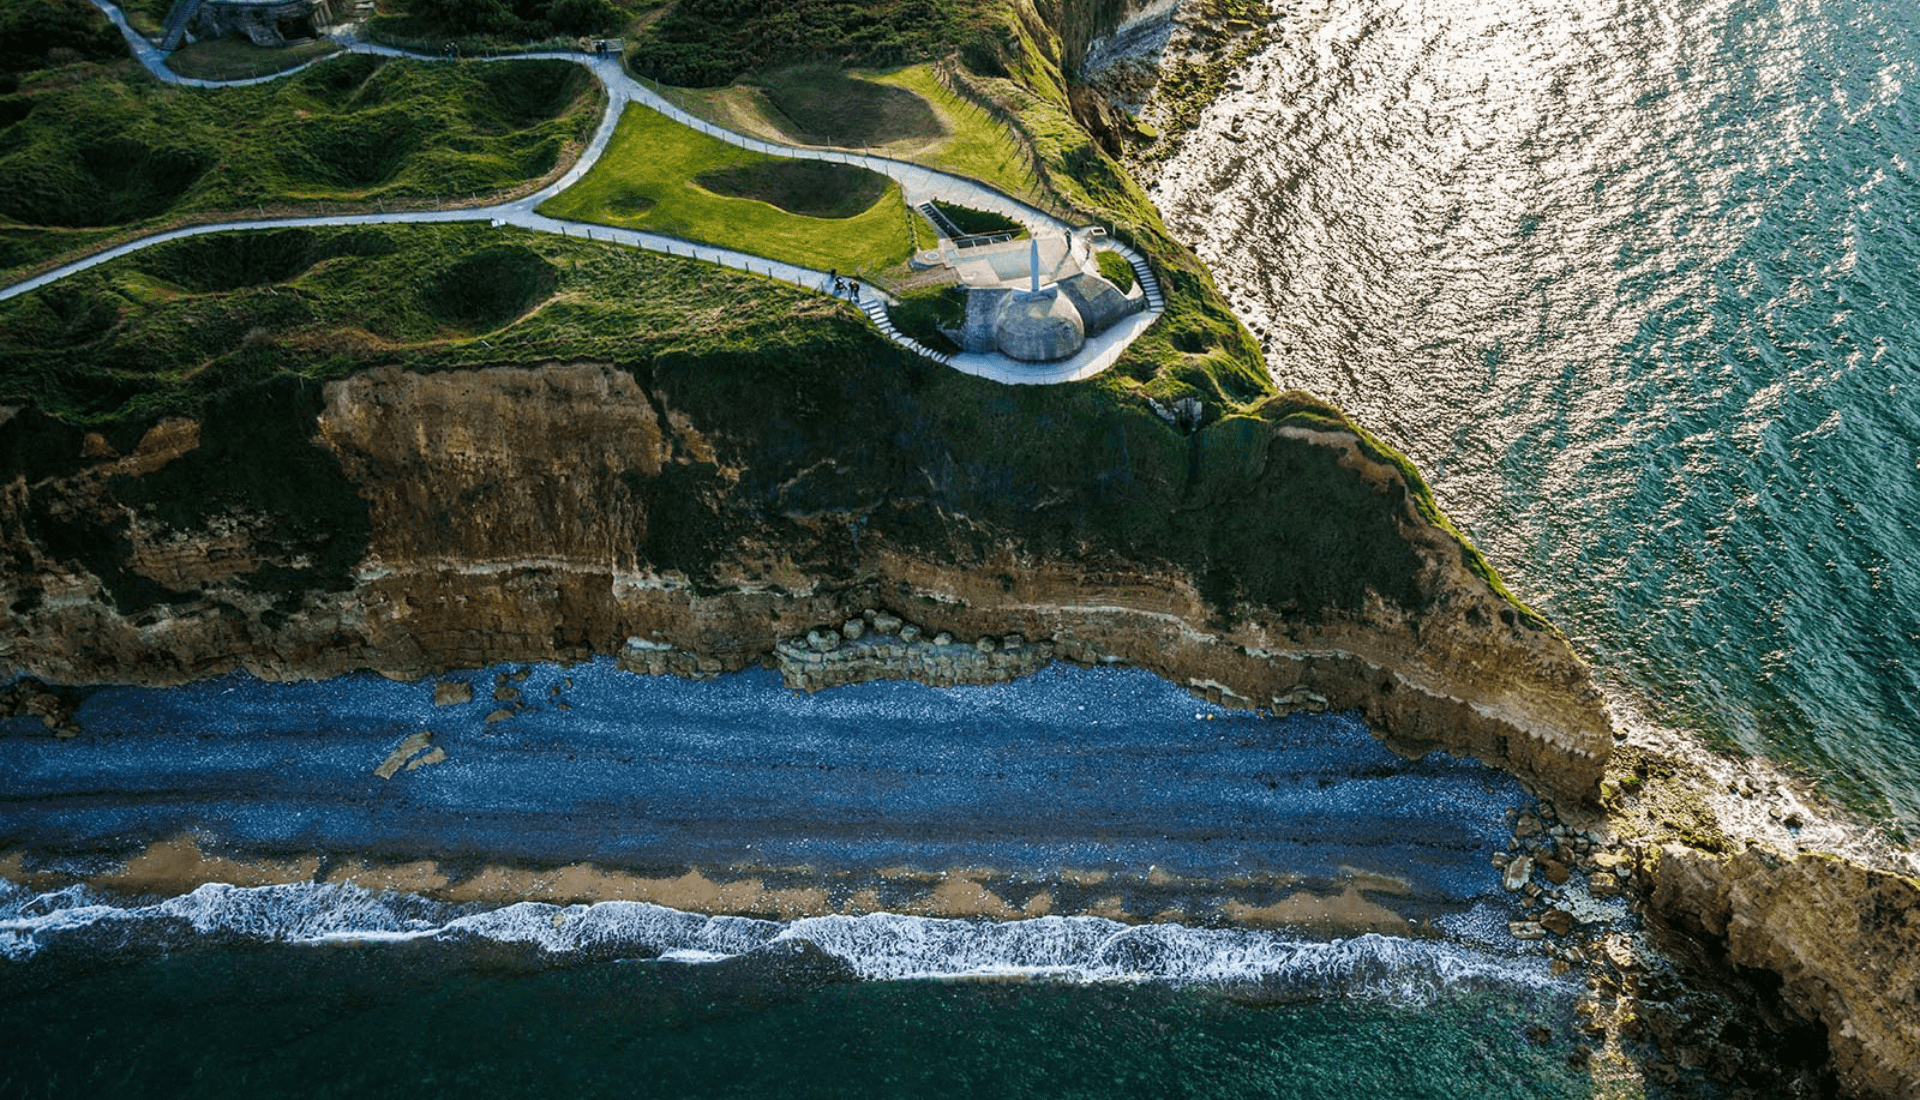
x,y
764,488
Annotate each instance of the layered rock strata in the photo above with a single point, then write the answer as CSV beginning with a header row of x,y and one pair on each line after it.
x,y
1842,940
551,513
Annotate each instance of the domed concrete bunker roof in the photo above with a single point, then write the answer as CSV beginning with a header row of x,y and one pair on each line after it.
x,y
1039,326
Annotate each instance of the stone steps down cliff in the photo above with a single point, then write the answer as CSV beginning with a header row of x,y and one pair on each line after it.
x,y
177,20
945,227
877,311
1143,274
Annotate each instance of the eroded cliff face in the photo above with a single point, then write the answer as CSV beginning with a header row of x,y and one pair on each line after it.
x,y
1843,942
552,512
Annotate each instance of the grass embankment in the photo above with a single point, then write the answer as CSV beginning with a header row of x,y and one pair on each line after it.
x,y
478,25
149,17
709,45
646,178
904,113
924,315
87,150
1116,270
166,329
234,58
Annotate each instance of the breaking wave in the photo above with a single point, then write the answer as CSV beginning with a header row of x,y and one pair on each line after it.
x,y
879,946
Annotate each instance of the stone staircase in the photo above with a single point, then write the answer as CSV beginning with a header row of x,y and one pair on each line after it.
x,y
177,20
876,309
944,226
1143,274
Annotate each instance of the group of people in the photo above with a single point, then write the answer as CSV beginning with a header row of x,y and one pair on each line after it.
x,y
844,288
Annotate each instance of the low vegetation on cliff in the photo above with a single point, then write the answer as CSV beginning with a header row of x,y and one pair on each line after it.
x,y
511,19
924,460
166,329
169,330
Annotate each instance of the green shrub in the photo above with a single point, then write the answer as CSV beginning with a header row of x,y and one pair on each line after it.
x,y
513,18
709,43
37,34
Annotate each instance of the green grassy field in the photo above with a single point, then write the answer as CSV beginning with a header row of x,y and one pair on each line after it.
x,y
645,181
235,58
167,329
87,149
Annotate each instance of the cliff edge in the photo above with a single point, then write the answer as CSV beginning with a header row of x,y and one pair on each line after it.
x,y
411,523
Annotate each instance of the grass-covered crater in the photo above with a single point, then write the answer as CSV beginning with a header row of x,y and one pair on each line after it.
x,y
90,150
810,188
663,177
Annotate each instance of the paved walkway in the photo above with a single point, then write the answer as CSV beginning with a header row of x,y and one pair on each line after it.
x,y
920,184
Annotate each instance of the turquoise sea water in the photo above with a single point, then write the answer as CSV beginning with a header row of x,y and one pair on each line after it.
x,y
374,1022
1638,287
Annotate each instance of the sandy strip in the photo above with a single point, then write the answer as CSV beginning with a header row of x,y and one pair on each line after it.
x,y
1357,902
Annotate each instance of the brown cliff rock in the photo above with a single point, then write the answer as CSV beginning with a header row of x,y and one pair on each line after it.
x,y
688,518
1844,941
551,513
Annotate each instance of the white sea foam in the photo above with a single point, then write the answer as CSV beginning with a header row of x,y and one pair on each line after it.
x,y
880,946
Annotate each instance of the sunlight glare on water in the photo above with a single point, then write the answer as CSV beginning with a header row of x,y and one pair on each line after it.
x,y
1638,286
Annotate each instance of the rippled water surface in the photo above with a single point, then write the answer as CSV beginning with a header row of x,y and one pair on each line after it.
x,y
1638,285
372,1021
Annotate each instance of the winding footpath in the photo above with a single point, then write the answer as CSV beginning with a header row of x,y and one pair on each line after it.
x,y
920,184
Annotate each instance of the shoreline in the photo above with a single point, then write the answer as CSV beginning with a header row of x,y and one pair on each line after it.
x,y
1352,904
1665,882
737,795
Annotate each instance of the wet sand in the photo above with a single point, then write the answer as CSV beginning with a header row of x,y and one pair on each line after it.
x,y
1096,792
